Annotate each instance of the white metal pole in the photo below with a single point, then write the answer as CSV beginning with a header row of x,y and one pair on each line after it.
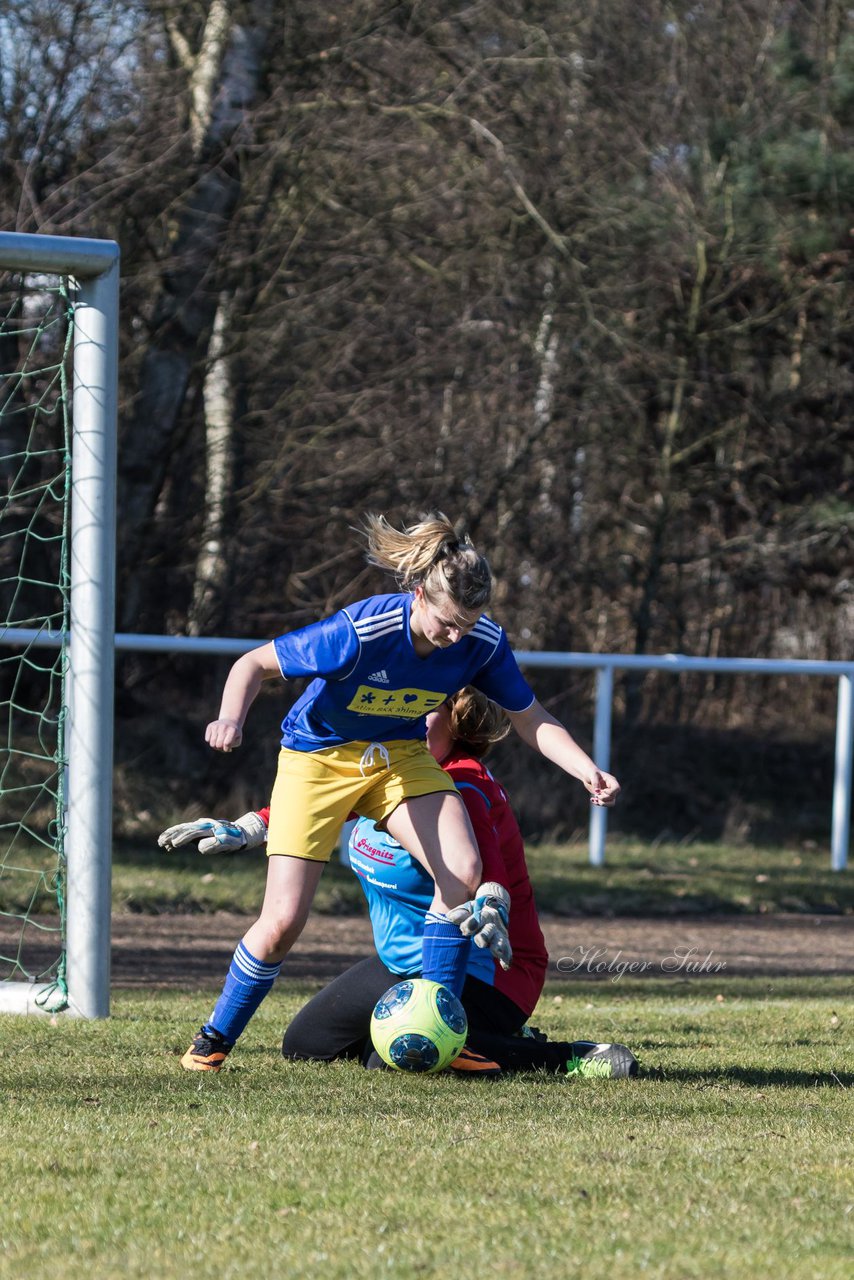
x,y
602,758
91,646
57,255
841,820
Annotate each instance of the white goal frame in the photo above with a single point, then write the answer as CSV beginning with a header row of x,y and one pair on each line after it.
x,y
93,270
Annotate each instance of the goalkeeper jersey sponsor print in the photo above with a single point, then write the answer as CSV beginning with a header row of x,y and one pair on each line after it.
x,y
370,685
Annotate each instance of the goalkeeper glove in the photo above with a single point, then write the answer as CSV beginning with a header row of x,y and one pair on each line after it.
x,y
216,836
485,918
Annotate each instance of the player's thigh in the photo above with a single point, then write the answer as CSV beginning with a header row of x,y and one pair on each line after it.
x,y
291,886
436,830
336,1022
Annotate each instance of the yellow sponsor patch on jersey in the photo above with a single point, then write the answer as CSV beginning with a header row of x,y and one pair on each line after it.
x,y
406,704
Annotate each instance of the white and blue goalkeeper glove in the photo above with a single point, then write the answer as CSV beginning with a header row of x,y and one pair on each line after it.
x,y
216,836
485,918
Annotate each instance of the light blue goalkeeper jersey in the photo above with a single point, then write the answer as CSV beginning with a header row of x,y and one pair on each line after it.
x,y
371,686
399,892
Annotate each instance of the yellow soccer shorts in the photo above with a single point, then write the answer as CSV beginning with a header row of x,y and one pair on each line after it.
x,y
315,791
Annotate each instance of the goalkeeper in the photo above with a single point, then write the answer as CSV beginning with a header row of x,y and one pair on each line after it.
x,y
498,999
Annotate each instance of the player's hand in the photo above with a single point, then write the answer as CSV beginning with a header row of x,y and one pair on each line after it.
x,y
603,787
485,918
223,735
216,836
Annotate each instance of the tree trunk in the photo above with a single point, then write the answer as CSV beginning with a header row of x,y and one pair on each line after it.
x,y
185,311
210,576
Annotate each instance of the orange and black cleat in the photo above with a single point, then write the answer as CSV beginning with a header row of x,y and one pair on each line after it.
x,y
469,1063
207,1052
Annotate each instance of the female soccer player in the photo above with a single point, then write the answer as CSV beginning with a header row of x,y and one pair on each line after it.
x,y
354,741
336,1022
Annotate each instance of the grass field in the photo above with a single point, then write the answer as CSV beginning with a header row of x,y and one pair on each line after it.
x,y
637,879
732,1156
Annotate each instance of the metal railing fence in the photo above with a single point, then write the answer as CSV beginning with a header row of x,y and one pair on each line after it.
x,y
604,665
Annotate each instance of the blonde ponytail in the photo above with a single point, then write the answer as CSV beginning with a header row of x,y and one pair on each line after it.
x,y
431,555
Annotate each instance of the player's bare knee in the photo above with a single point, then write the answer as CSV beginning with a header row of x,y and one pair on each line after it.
x,y
289,927
275,932
459,879
473,878
471,872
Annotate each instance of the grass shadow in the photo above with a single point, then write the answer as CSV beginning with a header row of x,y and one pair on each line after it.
x,y
751,1077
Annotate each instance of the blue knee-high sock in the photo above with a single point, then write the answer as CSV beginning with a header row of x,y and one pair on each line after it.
x,y
444,952
246,984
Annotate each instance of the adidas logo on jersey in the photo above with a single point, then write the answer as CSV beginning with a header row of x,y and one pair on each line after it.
x,y
379,677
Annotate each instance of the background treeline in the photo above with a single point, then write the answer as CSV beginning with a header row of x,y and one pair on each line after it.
x,y
578,274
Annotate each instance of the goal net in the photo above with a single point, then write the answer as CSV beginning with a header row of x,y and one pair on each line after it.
x,y
58,311
35,337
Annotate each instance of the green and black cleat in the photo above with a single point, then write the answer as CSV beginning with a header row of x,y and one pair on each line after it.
x,y
601,1061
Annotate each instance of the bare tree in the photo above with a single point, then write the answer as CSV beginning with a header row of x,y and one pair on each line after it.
x,y
580,276
223,76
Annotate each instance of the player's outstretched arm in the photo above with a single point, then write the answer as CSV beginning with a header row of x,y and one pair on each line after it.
x,y
241,688
548,736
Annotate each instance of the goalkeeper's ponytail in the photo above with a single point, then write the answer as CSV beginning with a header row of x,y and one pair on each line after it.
x,y
476,721
432,555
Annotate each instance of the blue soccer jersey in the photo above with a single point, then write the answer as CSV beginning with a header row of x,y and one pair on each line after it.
x,y
371,686
399,892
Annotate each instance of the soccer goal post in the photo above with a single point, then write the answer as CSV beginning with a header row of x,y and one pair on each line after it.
x,y
72,619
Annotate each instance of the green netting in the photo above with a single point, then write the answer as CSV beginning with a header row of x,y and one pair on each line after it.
x,y
35,342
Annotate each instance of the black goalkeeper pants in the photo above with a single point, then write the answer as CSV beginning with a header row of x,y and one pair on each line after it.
x,y
336,1023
